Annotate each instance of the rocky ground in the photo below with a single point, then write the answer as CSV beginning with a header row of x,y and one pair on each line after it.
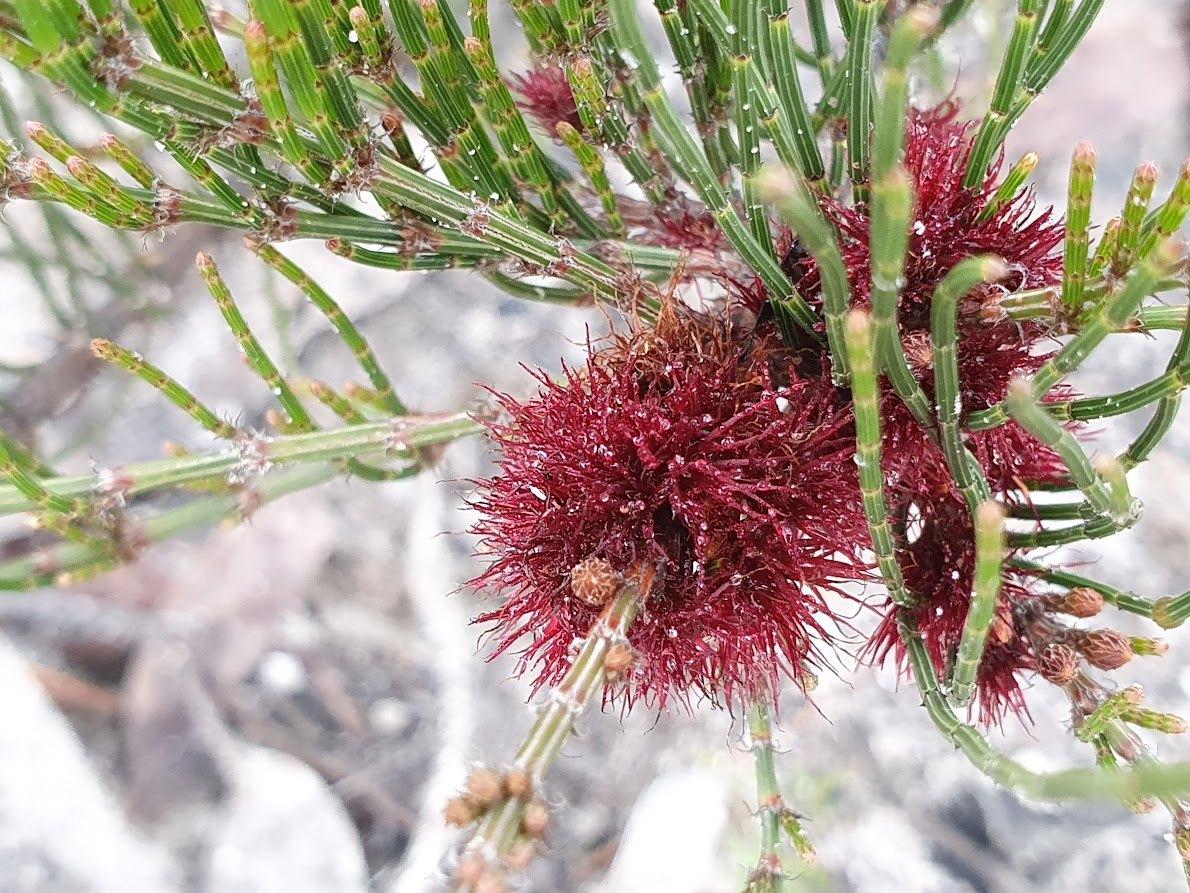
x,y
284,706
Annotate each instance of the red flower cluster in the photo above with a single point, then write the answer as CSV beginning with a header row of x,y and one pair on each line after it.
x,y
949,226
710,458
545,94
727,462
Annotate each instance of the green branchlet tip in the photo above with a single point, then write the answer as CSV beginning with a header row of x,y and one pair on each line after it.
x,y
1171,611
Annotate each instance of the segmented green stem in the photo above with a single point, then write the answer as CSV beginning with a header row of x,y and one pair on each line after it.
x,y
1168,218
682,39
1106,249
1008,82
498,830
860,92
1132,218
1149,779
745,18
1032,416
272,100
790,98
109,192
1110,315
162,32
1125,601
591,162
296,417
795,150
816,14
889,140
1169,384
800,208
33,489
198,36
24,457
989,557
119,152
688,159
868,453
62,190
1012,185
301,77
399,437
1055,19
947,393
1167,406
1048,58
600,118
892,210
1078,221
768,793
340,322
173,391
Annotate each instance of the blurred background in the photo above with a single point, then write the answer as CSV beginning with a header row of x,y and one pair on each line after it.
x,y
285,706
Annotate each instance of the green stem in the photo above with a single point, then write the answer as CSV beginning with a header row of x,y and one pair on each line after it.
x,y
402,437
989,557
768,794
866,397
1125,785
500,826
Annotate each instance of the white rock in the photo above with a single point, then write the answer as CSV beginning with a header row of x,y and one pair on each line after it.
x,y
282,831
672,839
56,819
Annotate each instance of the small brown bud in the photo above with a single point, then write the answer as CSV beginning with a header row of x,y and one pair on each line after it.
x,y
459,812
470,869
1147,172
391,121
594,581
1058,663
1080,602
491,882
484,786
619,658
1143,806
1106,649
741,320
919,350
521,855
518,783
1133,694
1002,630
254,31
535,819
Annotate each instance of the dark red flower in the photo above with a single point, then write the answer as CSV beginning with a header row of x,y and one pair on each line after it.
x,y
711,458
544,93
939,567
683,224
949,225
